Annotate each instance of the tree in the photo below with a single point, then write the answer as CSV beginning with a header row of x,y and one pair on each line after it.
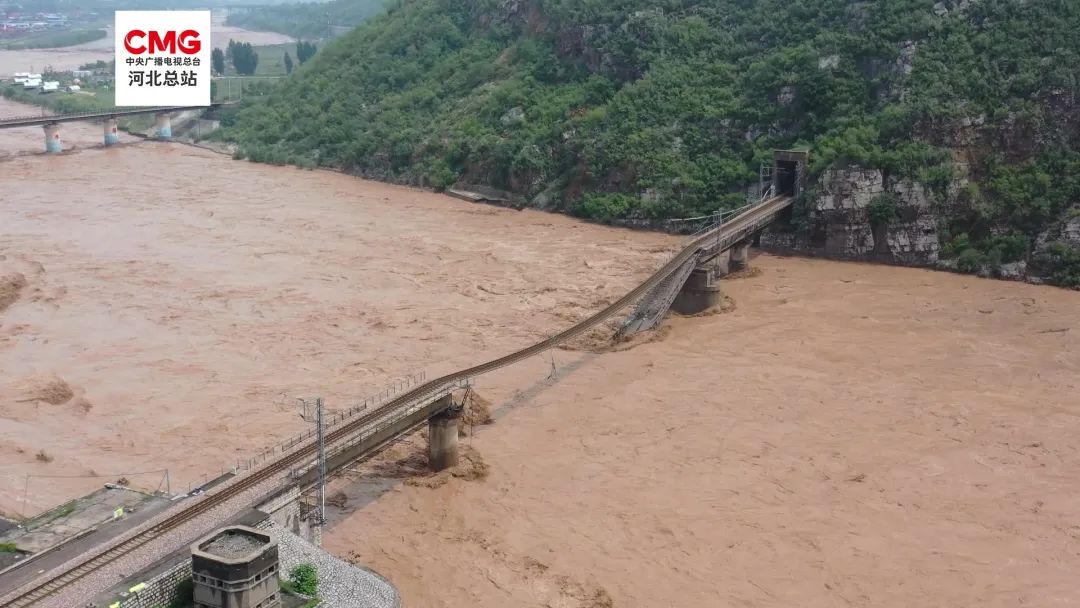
x,y
217,60
288,63
244,58
305,51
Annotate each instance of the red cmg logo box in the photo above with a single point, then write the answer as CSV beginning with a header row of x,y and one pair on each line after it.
x,y
163,58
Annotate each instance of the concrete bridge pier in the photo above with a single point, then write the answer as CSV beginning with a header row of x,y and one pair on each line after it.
x,y
443,436
740,255
112,137
53,143
722,263
700,292
163,126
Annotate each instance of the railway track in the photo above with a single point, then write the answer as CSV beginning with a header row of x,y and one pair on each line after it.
x,y
38,120
716,239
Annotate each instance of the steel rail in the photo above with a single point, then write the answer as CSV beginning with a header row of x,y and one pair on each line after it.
x,y
736,228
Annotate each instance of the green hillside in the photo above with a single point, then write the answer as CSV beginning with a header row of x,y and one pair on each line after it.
x,y
650,109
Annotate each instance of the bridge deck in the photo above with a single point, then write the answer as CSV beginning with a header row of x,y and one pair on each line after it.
x,y
37,121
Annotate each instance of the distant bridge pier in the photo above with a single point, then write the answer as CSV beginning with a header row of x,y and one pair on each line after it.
x,y
163,125
443,435
112,137
53,143
740,255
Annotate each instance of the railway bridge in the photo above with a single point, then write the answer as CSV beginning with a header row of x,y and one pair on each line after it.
x,y
275,478
51,123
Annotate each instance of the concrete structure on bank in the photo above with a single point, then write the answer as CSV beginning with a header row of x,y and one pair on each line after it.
x,y
164,583
236,567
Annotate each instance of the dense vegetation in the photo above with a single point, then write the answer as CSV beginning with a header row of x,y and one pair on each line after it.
x,y
660,108
306,19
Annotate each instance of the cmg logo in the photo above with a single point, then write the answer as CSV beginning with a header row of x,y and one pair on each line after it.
x,y
138,42
162,58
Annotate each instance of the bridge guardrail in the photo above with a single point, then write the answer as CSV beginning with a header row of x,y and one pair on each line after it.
x,y
332,421
391,418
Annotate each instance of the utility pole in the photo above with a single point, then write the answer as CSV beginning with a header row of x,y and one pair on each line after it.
x,y
322,460
320,441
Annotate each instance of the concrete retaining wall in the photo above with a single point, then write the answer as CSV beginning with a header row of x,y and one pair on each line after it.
x,y
160,590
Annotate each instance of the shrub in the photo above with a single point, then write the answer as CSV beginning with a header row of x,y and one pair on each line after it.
x,y
8,548
971,260
604,206
305,579
1011,248
1061,263
882,210
956,246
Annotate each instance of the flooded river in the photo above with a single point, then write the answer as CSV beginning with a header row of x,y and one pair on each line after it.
x,y
848,435
189,300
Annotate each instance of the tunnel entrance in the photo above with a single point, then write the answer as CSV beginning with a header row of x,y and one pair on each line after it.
x,y
786,173
789,172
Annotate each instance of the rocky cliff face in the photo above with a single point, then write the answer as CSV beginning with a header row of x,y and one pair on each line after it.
x,y
835,221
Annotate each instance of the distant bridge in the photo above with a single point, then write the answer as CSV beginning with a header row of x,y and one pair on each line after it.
x,y
52,122
37,121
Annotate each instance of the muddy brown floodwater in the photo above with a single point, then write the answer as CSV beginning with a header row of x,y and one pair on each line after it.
x,y
847,435
187,301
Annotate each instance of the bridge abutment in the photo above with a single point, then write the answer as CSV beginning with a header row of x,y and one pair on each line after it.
x,y
443,436
112,136
163,126
53,143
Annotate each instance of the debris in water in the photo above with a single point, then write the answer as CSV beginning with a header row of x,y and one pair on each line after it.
x,y
46,387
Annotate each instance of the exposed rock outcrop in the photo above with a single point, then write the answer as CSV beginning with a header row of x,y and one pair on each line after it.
x,y
838,223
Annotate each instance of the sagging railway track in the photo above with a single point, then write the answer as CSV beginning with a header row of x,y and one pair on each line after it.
x,y
712,240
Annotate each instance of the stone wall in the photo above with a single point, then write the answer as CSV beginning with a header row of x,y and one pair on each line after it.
x,y
837,223
160,590
289,512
